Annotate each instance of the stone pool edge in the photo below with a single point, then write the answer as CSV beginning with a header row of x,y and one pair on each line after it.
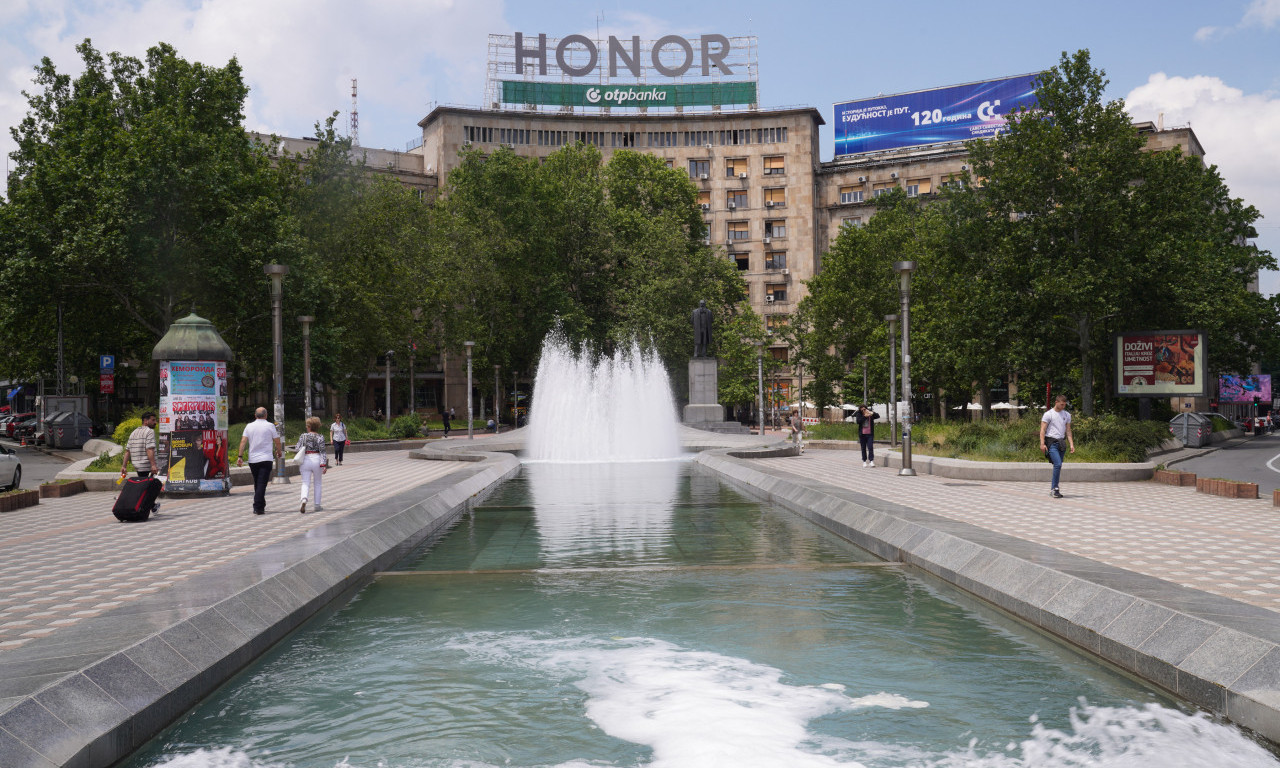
x,y
97,715
1213,652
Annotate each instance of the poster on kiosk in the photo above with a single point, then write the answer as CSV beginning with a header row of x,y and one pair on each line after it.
x,y
193,425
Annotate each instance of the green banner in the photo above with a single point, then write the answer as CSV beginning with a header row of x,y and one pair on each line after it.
x,y
582,95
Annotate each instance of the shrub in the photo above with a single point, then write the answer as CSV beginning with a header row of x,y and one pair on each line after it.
x,y
407,426
124,429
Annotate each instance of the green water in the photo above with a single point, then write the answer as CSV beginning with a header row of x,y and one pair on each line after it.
x,y
641,615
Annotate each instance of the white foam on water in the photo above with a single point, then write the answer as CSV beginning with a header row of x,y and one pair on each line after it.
x,y
592,408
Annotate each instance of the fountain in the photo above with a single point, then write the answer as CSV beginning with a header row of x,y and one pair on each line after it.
x,y
613,607
594,408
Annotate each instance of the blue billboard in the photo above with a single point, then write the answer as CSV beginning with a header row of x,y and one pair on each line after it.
x,y
954,113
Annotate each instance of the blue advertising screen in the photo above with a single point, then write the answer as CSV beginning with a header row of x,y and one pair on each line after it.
x,y
954,113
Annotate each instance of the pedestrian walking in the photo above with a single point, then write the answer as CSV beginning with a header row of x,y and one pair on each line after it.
x,y
1055,426
866,420
140,448
447,416
796,423
338,437
315,462
262,445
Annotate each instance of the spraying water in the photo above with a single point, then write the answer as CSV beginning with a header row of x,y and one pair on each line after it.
x,y
592,408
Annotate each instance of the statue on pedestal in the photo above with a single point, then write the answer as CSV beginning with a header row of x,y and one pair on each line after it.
x,y
701,329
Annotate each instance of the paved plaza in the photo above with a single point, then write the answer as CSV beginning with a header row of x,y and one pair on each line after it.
x,y
1227,547
68,559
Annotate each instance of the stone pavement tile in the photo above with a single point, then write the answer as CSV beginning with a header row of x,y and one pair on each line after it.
x,y
1217,545
68,559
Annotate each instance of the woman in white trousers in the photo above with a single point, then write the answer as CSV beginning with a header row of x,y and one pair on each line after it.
x,y
314,461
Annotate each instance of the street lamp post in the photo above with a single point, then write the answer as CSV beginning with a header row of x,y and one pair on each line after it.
x,y
760,385
469,345
903,268
497,398
864,379
892,320
277,272
386,416
306,321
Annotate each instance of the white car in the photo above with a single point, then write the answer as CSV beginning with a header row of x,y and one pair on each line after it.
x,y
10,469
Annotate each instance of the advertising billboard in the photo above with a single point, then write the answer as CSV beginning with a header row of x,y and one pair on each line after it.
x,y
954,113
1245,389
193,425
1161,364
586,95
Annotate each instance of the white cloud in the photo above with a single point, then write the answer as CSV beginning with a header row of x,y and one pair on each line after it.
x,y
1237,131
298,56
1260,13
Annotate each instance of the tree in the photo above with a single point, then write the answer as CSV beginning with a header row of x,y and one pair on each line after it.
x,y
136,196
1100,235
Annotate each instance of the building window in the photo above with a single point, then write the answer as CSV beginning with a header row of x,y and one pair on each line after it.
x,y
917,187
743,260
669,163
882,188
850,195
775,260
737,198
622,139
851,221
735,166
951,183
775,292
775,197
780,354
699,169
776,228
739,230
704,199
776,322
774,165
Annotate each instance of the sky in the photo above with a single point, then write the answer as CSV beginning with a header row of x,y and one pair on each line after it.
x,y
1212,65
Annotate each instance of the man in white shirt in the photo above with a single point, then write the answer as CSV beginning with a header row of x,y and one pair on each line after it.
x,y
262,445
140,448
1055,426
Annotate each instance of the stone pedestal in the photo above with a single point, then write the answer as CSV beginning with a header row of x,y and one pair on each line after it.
x,y
703,412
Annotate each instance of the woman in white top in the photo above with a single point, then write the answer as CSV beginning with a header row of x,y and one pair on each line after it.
x,y
338,436
314,461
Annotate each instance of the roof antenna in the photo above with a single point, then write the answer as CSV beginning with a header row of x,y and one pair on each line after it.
x,y
355,116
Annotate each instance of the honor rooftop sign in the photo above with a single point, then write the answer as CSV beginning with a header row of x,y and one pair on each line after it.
x,y
577,72
712,50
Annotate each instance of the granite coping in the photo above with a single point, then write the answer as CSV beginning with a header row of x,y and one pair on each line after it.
x,y
92,693
1214,652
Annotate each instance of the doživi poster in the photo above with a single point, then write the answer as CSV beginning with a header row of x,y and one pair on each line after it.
x,y
197,460
1160,364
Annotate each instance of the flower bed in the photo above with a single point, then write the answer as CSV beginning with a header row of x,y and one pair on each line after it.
x,y
61,488
1231,489
1174,477
14,500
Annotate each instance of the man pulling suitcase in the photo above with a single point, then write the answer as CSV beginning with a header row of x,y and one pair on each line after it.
x,y
138,497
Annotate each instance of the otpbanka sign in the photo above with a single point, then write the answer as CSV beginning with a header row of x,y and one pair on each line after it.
x,y
545,69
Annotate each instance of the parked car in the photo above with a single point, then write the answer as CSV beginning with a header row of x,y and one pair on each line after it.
x,y
10,469
11,426
27,427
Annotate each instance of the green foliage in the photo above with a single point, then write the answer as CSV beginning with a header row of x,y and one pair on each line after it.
x,y
409,425
135,193
124,429
1066,231
105,463
1106,438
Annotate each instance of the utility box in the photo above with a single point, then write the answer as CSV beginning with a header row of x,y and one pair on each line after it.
x,y
1193,429
68,430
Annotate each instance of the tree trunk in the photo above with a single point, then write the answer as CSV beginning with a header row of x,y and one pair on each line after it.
x,y
1083,328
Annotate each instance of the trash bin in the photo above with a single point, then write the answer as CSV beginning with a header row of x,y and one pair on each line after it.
x,y
68,430
1193,429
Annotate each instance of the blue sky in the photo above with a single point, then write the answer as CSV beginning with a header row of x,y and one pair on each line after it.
x,y
1213,65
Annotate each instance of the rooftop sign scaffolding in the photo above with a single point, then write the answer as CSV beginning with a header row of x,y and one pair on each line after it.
x,y
577,72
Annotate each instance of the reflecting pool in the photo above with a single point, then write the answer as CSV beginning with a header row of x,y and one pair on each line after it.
x,y
641,614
